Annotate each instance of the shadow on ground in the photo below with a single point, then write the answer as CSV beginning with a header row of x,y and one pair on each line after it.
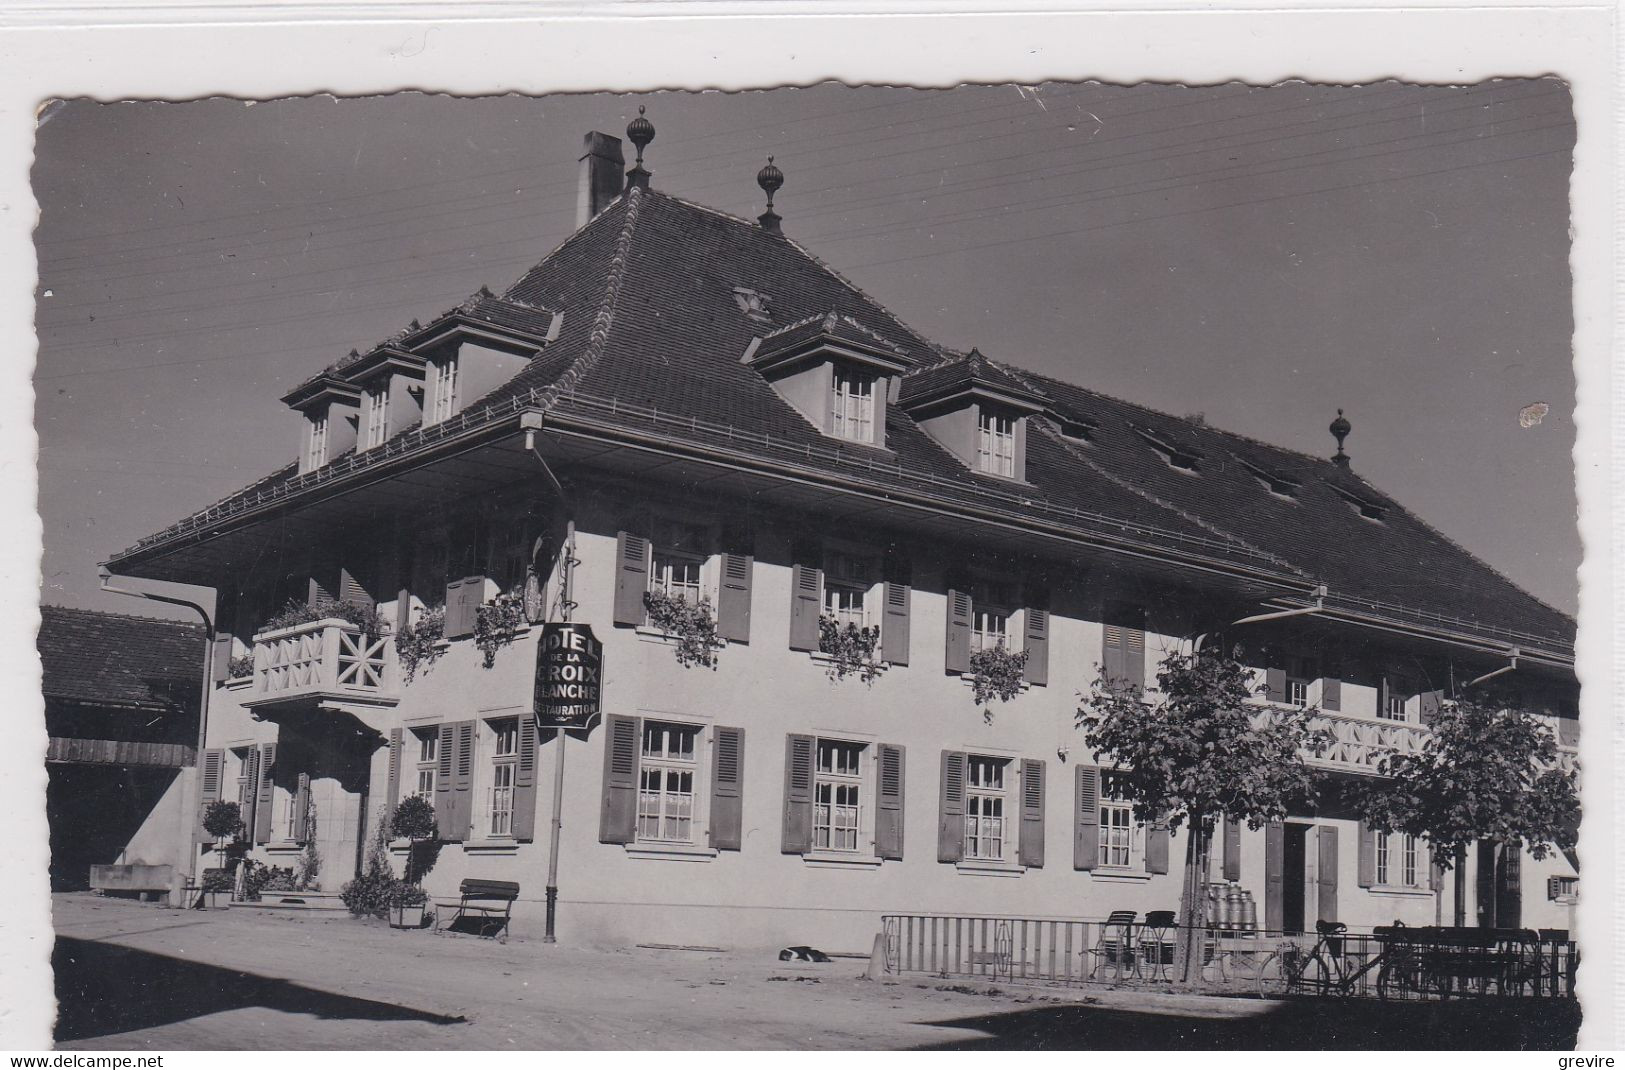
x,y
1473,1025
103,989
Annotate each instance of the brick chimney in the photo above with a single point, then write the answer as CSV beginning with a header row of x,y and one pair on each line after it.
x,y
602,175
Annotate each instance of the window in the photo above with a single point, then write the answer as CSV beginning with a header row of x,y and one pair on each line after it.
x,y
1382,859
1116,834
504,763
666,776
853,409
1562,887
291,815
676,574
377,416
445,390
1299,673
428,760
990,626
1409,857
846,583
1393,705
837,795
984,808
995,443
316,444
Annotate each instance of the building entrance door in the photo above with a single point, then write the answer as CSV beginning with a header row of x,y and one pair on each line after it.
x,y
1295,861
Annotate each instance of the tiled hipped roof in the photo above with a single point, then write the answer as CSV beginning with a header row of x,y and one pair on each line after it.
x,y
110,660
652,337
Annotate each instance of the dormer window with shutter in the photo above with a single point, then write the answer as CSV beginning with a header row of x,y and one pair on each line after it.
x,y
441,401
328,431
834,371
977,411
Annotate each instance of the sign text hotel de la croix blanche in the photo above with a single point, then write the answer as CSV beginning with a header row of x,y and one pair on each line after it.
x,y
569,676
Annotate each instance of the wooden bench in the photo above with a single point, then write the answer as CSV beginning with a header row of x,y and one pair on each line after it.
x,y
1445,959
484,908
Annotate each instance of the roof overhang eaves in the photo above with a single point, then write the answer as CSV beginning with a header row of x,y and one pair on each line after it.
x,y
460,326
956,395
329,386
824,347
389,360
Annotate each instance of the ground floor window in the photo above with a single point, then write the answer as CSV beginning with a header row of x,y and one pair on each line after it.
x,y
984,808
837,795
504,764
428,761
667,773
1116,834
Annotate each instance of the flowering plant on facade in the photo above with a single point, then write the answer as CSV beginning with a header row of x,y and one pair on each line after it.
x,y
418,644
997,672
240,666
296,613
692,624
367,896
496,623
851,649
309,864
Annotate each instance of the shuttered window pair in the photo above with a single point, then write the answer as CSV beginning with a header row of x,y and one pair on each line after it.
x,y
1393,860
847,600
990,808
255,793
1099,825
640,568
971,629
654,775
1289,684
838,793
508,806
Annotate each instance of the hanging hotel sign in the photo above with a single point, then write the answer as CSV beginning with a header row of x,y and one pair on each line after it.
x,y
569,675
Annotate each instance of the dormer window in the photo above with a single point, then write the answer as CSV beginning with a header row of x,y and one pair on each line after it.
x,y
1275,484
1077,430
995,443
442,399
1365,507
376,415
1178,457
852,414
754,304
315,442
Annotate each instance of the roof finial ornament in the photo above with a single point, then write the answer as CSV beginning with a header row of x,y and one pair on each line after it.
x,y
770,178
640,132
1340,429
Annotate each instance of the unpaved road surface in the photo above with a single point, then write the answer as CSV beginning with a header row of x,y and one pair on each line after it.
x,y
133,976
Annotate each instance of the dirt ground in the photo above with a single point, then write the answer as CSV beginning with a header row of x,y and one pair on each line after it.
x,y
135,976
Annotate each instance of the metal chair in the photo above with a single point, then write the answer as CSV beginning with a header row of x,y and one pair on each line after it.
x,y
1116,945
1158,942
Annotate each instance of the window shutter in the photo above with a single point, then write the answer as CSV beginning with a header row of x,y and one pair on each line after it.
x,y
1367,867
889,803
1031,842
524,782
728,789
1086,819
316,592
262,804
351,589
1331,687
951,808
1568,731
1037,646
463,600
1328,873
220,659
1486,883
213,768
631,581
1385,688
798,794
957,658
1430,706
403,610
1111,653
463,780
1275,685
393,796
1134,657
1232,849
444,816
301,809
1274,877
1156,846
249,793
618,818
733,598
805,588
894,628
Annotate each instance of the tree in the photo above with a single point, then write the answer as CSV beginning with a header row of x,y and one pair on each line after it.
x,y
1487,771
1198,752
414,820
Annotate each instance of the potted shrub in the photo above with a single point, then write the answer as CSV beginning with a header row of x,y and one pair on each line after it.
x,y
217,886
223,821
414,821
406,905
240,667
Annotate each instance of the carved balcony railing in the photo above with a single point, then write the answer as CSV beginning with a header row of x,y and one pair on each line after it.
x,y
324,660
1359,744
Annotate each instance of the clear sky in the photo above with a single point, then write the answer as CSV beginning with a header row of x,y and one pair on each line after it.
x,y
1263,256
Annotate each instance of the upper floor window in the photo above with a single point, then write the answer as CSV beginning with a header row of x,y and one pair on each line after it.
x,y
667,771
995,443
847,579
1391,703
837,795
985,832
852,414
1300,673
376,431
316,443
443,401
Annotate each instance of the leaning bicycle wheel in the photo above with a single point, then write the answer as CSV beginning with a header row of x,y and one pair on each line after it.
x,y
1317,978
1282,972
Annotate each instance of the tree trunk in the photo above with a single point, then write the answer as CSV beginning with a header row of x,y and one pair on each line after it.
x,y
1192,904
1460,912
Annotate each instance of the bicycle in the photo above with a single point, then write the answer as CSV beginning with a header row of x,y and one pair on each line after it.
x,y
1322,970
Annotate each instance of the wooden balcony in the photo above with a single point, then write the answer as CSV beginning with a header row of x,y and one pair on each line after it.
x,y
324,661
